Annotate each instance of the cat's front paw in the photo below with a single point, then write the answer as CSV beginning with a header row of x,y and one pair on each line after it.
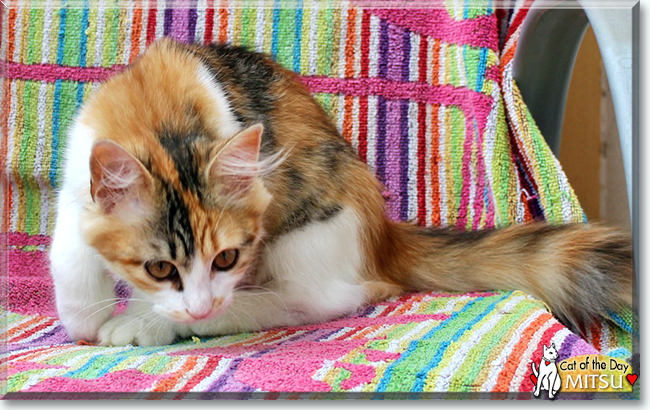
x,y
126,329
82,325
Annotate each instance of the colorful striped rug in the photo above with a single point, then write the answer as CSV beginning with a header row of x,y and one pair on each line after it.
x,y
427,99
429,342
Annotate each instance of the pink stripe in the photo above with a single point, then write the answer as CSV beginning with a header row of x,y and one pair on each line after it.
x,y
27,263
478,32
473,103
493,73
52,72
374,321
23,239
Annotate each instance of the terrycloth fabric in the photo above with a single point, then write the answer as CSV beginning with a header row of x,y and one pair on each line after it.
x,y
427,99
425,342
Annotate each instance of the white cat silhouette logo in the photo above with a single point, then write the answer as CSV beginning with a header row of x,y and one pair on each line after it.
x,y
547,378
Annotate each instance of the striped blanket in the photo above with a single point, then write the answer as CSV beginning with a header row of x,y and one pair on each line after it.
x,y
427,99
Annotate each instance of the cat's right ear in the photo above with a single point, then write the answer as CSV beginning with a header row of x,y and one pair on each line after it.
x,y
116,176
235,166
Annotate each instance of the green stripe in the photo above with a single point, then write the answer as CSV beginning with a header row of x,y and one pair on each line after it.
x,y
427,348
30,35
305,42
246,26
490,346
72,37
91,50
286,35
457,150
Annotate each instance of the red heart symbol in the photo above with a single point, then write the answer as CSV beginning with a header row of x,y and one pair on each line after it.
x,y
631,378
547,362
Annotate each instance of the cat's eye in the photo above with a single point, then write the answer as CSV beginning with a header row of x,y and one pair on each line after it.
x,y
225,260
161,269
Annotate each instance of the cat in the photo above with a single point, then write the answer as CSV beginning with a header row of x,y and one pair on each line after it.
x,y
209,179
547,378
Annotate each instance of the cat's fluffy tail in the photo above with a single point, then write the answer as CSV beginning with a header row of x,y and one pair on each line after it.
x,y
579,270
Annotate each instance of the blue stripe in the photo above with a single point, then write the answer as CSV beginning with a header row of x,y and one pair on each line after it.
x,y
620,322
422,374
122,356
84,37
63,13
126,355
83,43
297,38
414,344
56,108
482,67
276,24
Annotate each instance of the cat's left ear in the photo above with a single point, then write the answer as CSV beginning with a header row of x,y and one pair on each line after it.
x,y
235,165
117,177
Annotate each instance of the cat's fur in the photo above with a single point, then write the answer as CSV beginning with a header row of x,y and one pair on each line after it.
x,y
179,171
547,376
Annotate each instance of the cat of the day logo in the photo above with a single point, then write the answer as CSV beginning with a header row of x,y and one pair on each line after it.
x,y
580,374
547,378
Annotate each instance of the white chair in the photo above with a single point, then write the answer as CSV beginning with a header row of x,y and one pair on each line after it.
x,y
548,44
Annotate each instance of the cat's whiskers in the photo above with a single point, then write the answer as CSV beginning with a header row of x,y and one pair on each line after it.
x,y
241,325
265,290
115,302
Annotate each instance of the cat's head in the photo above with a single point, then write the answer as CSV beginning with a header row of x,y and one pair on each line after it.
x,y
176,194
184,238
550,352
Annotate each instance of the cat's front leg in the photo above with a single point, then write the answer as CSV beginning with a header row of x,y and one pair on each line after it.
x,y
84,292
251,311
139,325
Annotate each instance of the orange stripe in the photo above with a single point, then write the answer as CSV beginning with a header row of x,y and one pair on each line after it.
x,y
349,45
62,350
32,331
347,117
507,56
223,22
262,337
11,39
435,69
366,331
11,34
6,107
435,160
136,32
596,336
169,383
512,361
12,331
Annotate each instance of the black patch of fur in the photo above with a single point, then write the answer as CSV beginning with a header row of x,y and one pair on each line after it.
x,y
308,209
251,74
181,149
453,236
176,224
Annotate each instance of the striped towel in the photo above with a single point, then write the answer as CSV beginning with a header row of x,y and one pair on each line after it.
x,y
425,96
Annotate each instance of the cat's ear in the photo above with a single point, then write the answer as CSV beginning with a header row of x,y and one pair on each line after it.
x,y
235,165
116,176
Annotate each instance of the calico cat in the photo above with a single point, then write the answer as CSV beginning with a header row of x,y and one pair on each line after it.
x,y
210,180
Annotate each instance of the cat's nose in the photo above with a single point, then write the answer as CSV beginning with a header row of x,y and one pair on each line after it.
x,y
198,315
